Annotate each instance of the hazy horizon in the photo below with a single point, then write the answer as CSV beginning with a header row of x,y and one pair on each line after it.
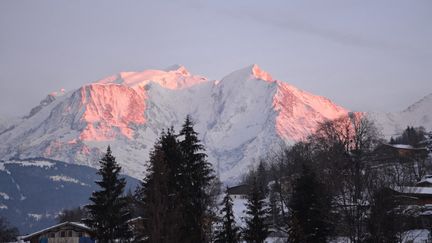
x,y
368,56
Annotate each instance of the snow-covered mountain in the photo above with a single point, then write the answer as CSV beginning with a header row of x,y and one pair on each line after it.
x,y
240,118
417,114
52,152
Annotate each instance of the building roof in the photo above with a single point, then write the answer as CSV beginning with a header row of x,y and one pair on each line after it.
x,y
425,180
239,190
74,224
415,190
404,146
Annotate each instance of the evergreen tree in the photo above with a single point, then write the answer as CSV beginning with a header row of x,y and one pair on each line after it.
x,y
107,213
428,142
229,232
256,230
7,233
413,136
261,176
160,191
156,196
274,208
195,179
71,215
384,222
178,191
309,209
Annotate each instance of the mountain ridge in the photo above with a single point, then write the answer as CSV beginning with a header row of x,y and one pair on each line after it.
x,y
417,114
240,118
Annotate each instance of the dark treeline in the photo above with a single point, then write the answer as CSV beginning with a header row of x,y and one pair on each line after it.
x,y
8,233
175,202
414,136
343,181
178,193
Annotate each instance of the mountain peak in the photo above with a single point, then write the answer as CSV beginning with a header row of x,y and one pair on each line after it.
x,y
425,102
172,77
258,73
178,69
249,73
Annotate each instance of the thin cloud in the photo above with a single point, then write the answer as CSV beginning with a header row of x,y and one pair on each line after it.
x,y
289,23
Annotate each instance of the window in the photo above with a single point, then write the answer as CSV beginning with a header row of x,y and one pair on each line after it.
x,y
80,234
62,234
70,233
52,235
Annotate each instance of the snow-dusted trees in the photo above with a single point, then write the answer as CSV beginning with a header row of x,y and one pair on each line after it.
x,y
359,172
257,228
309,209
385,221
343,150
71,215
228,232
107,213
413,136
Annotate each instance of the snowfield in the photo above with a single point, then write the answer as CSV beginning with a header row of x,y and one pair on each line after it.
x,y
67,179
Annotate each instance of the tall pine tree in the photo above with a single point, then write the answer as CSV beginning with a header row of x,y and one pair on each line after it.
x,y
256,230
195,179
160,191
384,221
7,232
309,208
176,194
228,232
107,213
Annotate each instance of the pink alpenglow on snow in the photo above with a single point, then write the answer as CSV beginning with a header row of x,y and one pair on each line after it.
x,y
175,77
258,73
299,112
114,104
110,110
240,118
58,93
53,147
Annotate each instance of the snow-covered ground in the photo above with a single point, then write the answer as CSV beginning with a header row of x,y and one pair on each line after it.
x,y
67,179
416,236
239,209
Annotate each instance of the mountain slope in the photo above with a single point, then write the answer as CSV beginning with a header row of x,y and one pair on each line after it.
x,y
240,118
35,190
417,114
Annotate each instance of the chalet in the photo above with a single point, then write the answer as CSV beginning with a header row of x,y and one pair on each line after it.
x,y
67,232
402,150
240,191
417,195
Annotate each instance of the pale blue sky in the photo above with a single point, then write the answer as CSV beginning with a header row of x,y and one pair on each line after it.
x,y
364,55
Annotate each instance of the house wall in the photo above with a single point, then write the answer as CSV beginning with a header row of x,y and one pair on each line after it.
x,y
69,236
237,196
424,201
64,240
